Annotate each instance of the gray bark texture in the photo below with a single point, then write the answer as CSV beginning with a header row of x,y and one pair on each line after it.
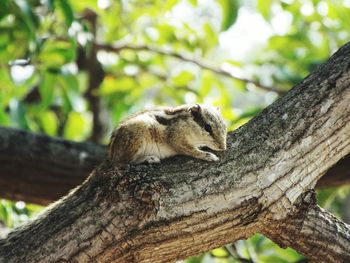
x,y
169,211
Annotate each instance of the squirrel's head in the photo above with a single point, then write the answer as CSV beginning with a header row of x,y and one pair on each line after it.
x,y
210,130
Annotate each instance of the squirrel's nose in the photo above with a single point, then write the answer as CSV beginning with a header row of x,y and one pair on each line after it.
x,y
222,147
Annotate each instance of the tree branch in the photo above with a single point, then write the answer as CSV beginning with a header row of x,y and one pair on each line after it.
x,y
159,213
89,62
43,185
55,174
315,233
40,169
165,52
202,64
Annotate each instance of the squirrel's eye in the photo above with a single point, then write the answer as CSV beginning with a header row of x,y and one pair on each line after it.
x,y
207,127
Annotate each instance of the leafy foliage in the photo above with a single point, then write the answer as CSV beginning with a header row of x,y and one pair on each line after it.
x,y
55,78
15,213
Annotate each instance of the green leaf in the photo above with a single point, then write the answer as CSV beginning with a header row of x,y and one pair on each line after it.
x,y
67,11
72,99
34,209
80,6
4,8
219,252
229,13
112,85
4,118
195,259
183,78
210,36
168,5
166,33
206,85
50,4
264,7
49,122
18,114
77,126
25,16
55,54
288,254
193,2
46,89
271,258
3,212
7,212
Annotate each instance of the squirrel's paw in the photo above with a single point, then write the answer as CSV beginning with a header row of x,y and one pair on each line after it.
x,y
211,157
152,159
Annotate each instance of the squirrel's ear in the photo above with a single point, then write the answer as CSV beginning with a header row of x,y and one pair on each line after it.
x,y
195,108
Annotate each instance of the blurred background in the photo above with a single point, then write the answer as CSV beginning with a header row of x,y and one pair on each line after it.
x,y
74,69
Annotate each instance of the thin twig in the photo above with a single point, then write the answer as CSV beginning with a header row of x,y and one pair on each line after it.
x,y
203,64
165,79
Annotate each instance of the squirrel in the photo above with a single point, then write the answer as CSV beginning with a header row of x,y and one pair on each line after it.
x,y
154,134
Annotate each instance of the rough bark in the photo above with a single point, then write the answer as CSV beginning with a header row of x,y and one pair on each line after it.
x,y
63,165
181,207
314,232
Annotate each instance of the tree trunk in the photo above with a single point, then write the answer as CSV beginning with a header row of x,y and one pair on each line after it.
x,y
160,213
